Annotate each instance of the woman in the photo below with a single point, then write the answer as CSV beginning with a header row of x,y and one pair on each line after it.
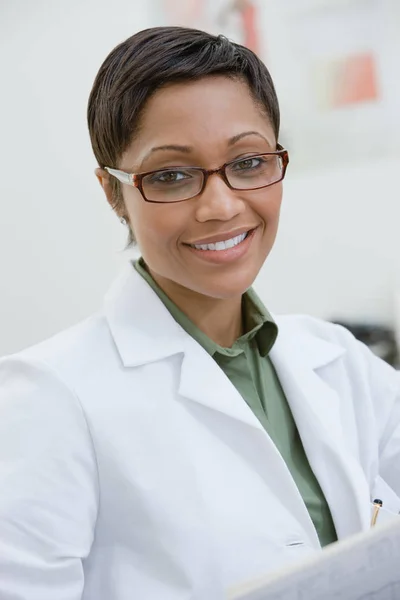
x,y
182,440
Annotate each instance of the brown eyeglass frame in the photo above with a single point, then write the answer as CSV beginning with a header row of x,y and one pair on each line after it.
x,y
136,179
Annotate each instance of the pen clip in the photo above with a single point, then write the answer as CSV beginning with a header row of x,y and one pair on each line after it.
x,y
377,504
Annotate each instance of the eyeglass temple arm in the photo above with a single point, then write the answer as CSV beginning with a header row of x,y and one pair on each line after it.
x,y
121,175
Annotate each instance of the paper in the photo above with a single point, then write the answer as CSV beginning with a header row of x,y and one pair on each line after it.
x,y
363,567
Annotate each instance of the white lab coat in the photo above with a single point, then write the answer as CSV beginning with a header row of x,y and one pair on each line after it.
x,y
131,468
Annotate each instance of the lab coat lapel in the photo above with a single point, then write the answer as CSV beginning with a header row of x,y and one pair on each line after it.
x,y
142,327
204,382
144,331
316,410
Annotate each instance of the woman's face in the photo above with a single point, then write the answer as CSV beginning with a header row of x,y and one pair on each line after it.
x,y
204,123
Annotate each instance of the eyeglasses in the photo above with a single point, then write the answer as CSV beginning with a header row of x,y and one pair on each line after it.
x,y
176,184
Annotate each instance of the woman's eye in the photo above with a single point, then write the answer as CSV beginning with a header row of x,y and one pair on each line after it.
x,y
168,177
247,163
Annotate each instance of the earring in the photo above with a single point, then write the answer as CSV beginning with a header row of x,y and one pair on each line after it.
x,y
123,220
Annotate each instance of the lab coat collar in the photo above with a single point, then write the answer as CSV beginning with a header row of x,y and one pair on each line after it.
x,y
143,329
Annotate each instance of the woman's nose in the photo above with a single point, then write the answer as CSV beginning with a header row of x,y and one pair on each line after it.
x,y
218,202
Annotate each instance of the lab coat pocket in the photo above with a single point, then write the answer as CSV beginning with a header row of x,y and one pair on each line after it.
x,y
390,502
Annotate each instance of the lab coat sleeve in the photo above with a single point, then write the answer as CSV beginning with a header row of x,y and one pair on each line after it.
x,y
48,485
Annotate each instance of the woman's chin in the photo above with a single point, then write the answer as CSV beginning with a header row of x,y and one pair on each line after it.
x,y
227,287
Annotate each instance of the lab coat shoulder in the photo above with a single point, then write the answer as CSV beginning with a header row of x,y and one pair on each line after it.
x,y
317,336
75,353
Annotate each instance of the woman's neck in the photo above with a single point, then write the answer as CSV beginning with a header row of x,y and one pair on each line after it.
x,y
220,319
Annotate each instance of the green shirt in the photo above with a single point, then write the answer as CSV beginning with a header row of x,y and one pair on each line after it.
x,y
249,368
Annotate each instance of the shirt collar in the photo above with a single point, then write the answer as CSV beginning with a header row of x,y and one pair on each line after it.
x,y
258,322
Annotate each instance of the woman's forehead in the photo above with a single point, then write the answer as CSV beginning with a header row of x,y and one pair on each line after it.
x,y
208,111
204,97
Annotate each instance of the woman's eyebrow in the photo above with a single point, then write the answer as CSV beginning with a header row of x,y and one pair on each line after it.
x,y
239,136
176,147
188,149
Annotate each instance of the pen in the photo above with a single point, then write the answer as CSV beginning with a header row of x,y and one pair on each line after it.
x,y
377,506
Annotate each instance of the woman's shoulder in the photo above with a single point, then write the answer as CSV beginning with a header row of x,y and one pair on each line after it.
x,y
316,337
70,352
313,327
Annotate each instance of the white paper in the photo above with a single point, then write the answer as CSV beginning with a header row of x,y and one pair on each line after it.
x,y
363,567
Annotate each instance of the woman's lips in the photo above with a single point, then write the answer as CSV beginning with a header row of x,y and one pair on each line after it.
x,y
228,254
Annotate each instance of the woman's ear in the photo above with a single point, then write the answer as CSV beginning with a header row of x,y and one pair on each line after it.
x,y
117,206
104,180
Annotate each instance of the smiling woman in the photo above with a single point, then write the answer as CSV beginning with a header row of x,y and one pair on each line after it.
x,y
185,120
182,440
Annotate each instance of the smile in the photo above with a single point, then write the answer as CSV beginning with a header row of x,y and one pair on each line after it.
x,y
224,245
224,251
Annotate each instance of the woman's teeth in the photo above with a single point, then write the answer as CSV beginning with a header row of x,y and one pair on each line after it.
x,y
222,245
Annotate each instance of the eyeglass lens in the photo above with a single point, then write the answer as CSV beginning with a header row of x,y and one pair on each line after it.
x,y
176,184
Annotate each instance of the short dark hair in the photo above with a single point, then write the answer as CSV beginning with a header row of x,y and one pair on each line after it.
x,y
155,57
